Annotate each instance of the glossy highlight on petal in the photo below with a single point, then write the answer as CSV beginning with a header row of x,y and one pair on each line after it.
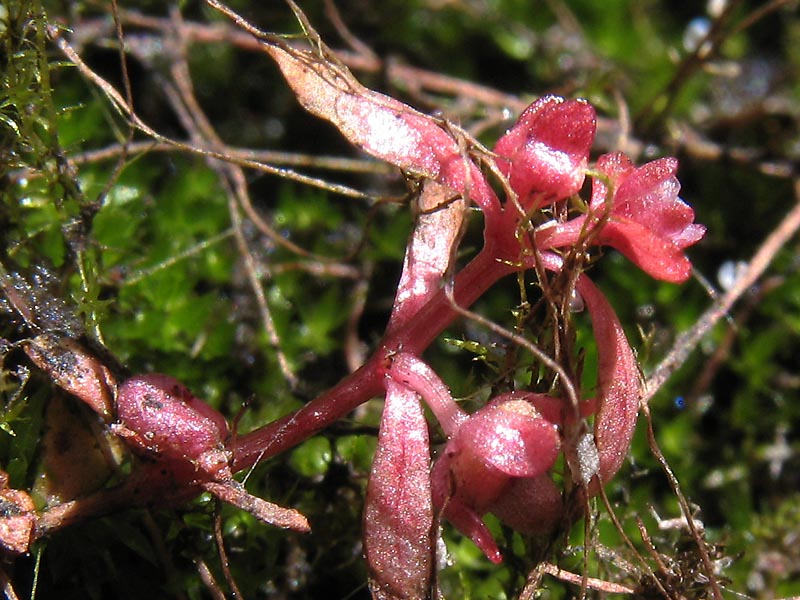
x,y
503,443
649,196
512,437
545,153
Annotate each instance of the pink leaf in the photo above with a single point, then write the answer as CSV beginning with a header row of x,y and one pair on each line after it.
x,y
398,511
380,125
232,492
618,383
17,518
433,244
74,369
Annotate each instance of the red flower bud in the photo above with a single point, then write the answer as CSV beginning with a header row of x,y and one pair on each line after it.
x,y
544,154
161,418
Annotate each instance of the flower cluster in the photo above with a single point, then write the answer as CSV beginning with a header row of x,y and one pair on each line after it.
x,y
498,459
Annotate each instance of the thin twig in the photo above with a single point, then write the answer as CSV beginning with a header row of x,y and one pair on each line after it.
x,y
348,36
629,543
708,565
141,274
254,274
207,577
538,353
689,340
7,586
121,106
275,157
126,82
494,101
702,52
354,349
233,180
582,580
157,539
223,555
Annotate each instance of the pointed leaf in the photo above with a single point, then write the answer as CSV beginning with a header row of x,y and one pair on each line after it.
x,y
232,492
618,384
398,511
378,124
436,233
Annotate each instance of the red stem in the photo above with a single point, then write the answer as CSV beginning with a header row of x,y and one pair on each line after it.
x,y
367,382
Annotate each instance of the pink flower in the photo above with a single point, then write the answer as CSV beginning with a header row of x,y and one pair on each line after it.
x,y
648,222
500,445
544,154
497,459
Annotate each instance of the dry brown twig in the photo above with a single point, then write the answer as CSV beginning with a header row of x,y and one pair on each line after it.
x,y
492,101
688,341
125,110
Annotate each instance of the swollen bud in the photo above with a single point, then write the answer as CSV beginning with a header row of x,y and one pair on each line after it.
x,y
163,421
159,417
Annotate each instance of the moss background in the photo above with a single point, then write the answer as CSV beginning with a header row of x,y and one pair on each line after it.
x,y
141,253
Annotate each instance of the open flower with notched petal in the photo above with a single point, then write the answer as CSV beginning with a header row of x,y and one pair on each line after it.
x,y
648,222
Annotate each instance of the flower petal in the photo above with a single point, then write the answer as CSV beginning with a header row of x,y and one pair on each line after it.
x,y
649,196
648,223
511,437
656,256
545,153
